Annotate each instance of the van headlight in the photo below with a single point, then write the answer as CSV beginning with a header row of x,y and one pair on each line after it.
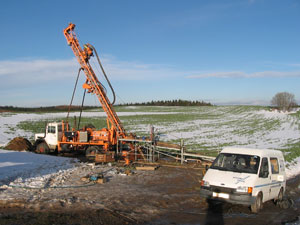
x,y
204,183
244,189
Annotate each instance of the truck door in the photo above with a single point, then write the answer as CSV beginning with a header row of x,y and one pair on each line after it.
x,y
265,179
51,137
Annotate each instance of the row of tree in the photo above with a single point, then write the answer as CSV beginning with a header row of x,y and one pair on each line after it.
x,y
65,108
177,102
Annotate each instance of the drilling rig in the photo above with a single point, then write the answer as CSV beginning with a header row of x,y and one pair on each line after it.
x,y
103,144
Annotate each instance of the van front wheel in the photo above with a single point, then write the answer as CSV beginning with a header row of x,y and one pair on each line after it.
x,y
257,205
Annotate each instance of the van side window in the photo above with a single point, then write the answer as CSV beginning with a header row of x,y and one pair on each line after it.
x,y
264,168
274,165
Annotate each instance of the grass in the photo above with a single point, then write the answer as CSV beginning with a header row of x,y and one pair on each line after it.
x,y
292,151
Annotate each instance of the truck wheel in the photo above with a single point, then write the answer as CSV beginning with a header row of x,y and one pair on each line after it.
x,y
66,147
257,205
42,148
91,152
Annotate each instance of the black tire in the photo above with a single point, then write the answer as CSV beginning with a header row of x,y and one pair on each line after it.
x,y
257,205
280,195
66,147
42,148
279,199
91,151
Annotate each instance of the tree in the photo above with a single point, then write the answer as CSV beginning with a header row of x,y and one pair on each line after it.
x,y
284,101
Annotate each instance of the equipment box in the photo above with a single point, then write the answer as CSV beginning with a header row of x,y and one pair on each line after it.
x,y
83,136
105,157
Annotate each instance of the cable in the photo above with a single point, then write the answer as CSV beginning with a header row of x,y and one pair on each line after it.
x,y
73,93
100,64
94,66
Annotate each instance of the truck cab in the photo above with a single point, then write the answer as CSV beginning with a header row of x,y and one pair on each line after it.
x,y
48,141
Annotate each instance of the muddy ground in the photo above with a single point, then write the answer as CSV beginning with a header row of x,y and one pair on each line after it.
x,y
168,195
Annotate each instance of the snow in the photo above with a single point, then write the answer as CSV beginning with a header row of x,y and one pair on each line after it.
x,y
293,169
30,168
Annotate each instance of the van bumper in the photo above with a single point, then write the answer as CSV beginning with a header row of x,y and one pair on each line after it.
x,y
235,198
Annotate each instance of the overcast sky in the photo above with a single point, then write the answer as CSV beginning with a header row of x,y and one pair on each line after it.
x,y
224,52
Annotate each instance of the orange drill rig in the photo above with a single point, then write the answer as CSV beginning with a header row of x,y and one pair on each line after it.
x,y
59,137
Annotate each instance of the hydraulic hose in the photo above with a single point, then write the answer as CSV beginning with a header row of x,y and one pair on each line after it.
x,y
104,74
73,93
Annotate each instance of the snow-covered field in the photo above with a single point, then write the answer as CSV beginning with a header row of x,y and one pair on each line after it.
x,y
217,127
9,121
210,128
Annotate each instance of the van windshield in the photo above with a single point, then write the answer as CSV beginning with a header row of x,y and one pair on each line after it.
x,y
236,163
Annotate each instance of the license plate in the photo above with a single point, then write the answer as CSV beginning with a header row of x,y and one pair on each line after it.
x,y
220,195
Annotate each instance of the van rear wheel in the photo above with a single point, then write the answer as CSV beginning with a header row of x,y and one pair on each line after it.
x,y
257,205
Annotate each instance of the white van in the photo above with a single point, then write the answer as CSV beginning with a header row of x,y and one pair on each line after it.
x,y
245,176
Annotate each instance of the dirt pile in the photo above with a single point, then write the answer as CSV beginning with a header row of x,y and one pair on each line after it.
x,y
19,144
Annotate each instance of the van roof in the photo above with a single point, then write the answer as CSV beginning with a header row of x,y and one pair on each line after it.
x,y
252,151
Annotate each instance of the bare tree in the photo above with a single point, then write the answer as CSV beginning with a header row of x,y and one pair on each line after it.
x,y
284,101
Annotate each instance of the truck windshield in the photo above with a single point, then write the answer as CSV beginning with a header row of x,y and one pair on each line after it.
x,y
236,163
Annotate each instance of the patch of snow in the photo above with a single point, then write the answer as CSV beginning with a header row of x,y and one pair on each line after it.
x,y
26,165
293,168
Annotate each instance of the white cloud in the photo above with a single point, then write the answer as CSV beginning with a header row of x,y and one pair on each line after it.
x,y
240,74
29,72
124,70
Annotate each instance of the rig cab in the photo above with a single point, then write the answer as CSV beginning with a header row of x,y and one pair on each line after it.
x,y
47,142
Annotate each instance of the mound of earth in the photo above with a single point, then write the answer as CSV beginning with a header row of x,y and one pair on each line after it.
x,y
19,144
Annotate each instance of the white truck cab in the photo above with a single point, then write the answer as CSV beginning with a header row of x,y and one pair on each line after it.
x,y
245,176
48,141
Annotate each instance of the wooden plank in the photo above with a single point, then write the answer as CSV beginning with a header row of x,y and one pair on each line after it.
x,y
146,168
